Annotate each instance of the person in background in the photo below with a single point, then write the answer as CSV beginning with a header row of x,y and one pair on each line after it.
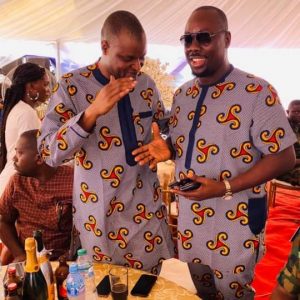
x,y
288,281
100,113
36,197
293,114
231,135
30,86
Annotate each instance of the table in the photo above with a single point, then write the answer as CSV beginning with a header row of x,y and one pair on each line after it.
x,y
163,288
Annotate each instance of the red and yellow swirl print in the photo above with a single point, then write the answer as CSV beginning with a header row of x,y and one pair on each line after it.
x,y
119,237
132,263
219,244
99,256
273,139
273,98
231,117
152,241
240,214
142,214
185,238
221,88
60,138
113,176
201,213
107,140
115,206
87,195
65,114
147,96
243,152
205,150
81,160
92,226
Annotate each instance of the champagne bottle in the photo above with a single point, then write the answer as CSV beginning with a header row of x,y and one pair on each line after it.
x,y
35,285
44,263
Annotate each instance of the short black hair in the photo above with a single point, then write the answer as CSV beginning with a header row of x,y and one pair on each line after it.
x,y
31,137
218,11
121,20
293,102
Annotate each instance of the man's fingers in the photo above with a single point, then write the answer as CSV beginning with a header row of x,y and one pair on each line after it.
x,y
140,150
155,130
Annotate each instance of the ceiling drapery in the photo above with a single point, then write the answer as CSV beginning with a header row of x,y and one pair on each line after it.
x,y
253,23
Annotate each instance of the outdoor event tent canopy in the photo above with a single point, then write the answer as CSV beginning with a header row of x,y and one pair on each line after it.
x,y
254,23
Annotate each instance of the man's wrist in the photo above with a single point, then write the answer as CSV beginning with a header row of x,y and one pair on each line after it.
x,y
228,191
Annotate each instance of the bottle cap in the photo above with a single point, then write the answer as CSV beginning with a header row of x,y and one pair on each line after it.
x,y
62,259
81,252
11,271
12,286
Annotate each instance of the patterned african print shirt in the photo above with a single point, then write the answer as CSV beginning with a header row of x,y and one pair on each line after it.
x,y
220,131
118,210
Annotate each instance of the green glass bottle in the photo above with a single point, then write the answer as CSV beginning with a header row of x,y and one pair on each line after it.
x,y
35,286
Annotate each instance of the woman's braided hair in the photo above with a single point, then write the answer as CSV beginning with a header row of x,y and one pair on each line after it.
x,y
25,73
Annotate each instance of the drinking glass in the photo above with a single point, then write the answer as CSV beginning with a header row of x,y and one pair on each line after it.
x,y
118,277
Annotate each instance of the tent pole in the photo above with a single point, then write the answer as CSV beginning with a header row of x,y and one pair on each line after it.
x,y
58,67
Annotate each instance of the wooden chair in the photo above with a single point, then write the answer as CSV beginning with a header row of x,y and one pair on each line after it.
x,y
272,188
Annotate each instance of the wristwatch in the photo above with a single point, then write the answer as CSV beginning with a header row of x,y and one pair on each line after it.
x,y
228,192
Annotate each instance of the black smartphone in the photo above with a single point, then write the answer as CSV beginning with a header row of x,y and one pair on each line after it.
x,y
185,184
144,285
103,287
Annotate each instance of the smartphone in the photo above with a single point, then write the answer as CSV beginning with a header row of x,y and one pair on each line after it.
x,y
144,285
185,184
103,287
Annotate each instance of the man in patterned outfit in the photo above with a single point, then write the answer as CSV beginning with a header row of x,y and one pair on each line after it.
x,y
99,114
231,134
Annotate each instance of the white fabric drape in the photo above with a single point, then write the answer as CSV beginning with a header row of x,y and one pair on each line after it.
x,y
254,23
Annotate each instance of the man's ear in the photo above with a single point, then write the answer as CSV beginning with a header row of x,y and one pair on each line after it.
x,y
227,38
104,46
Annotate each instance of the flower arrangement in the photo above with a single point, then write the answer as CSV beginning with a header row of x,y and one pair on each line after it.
x,y
164,81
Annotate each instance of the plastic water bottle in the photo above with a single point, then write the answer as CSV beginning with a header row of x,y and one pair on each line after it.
x,y
75,284
85,267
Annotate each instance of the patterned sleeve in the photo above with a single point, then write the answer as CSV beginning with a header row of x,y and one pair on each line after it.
x,y
61,136
270,131
6,201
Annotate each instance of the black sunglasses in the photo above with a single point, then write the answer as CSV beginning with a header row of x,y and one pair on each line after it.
x,y
202,37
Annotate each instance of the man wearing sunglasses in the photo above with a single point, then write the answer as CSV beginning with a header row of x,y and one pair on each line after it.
x,y
231,135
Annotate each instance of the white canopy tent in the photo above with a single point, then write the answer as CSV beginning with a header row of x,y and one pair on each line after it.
x,y
70,27
255,23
